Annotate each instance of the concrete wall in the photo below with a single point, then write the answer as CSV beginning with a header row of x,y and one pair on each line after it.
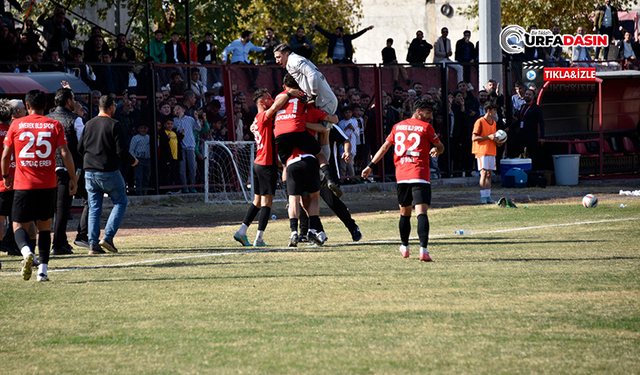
x,y
400,19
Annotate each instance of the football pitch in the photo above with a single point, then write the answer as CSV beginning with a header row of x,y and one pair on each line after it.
x,y
548,288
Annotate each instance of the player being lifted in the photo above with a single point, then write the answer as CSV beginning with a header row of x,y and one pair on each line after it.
x,y
265,172
33,140
315,85
412,142
291,127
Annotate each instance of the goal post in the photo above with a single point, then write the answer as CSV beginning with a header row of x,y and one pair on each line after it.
x,y
229,172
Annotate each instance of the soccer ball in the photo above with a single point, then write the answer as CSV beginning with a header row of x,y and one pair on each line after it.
x,y
590,201
501,135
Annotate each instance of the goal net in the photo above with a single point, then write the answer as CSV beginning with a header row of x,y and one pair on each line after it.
x,y
229,172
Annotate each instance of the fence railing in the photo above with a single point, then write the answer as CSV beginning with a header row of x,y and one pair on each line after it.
x,y
223,95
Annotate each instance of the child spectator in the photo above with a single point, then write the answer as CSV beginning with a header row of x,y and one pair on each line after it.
x,y
197,135
218,132
358,113
350,127
220,99
484,147
186,125
170,151
139,148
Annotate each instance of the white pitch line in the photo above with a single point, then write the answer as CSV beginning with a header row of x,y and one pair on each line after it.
x,y
328,245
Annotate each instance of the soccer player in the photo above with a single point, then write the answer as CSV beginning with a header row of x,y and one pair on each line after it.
x,y
312,82
412,140
484,147
336,138
303,187
265,172
291,129
33,141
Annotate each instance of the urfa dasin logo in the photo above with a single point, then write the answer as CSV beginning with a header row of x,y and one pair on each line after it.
x,y
513,39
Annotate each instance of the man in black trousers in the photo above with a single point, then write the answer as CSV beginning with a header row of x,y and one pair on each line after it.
x,y
65,105
336,138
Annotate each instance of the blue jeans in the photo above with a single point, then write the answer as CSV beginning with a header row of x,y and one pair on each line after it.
x,y
141,173
188,164
99,183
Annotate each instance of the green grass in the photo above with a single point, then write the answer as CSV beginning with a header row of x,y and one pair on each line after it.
x,y
550,300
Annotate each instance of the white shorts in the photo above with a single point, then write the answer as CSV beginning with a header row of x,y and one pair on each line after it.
x,y
486,162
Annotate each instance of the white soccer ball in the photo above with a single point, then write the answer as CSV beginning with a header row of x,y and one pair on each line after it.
x,y
590,201
501,135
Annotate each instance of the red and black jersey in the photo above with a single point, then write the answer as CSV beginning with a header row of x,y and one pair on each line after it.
x,y
293,117
262,129
412,140
34,139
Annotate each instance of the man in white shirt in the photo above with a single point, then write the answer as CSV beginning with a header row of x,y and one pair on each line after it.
x,y
443,51
311,81
239,50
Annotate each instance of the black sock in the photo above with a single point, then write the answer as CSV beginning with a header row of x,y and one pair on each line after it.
x,y
327,171
423,229
250,215
293,224
263,219
44,245
32,244
405,229
22,239
314,222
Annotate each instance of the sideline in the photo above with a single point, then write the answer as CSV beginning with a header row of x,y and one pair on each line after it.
x,y
276,249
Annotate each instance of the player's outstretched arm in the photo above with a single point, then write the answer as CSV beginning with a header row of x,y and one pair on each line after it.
x,y
67,159
346,155
316,127
377,157
4,166
331,118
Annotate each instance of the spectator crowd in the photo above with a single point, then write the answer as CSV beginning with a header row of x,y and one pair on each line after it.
x,y
190,98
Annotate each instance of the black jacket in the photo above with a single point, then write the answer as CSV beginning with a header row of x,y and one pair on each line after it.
x,y
346,38
102,145
67,119
168,48
460,47
202,53
418,52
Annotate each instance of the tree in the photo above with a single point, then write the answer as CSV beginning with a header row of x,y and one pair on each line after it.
x,y
568,14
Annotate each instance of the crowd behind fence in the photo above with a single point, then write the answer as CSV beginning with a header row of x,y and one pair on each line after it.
x,y
217,105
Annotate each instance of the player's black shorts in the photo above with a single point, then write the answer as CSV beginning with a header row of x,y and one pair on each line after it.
x,y
30,205
412,194
265,178
6,203
303,176
303,140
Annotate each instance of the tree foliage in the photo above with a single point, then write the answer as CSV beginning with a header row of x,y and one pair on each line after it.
x,y
225,19
568,14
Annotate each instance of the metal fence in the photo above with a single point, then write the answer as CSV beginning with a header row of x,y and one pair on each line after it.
x,y
223,95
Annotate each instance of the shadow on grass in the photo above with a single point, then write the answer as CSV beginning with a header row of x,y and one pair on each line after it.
x,y
557,259
202,278
503,241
